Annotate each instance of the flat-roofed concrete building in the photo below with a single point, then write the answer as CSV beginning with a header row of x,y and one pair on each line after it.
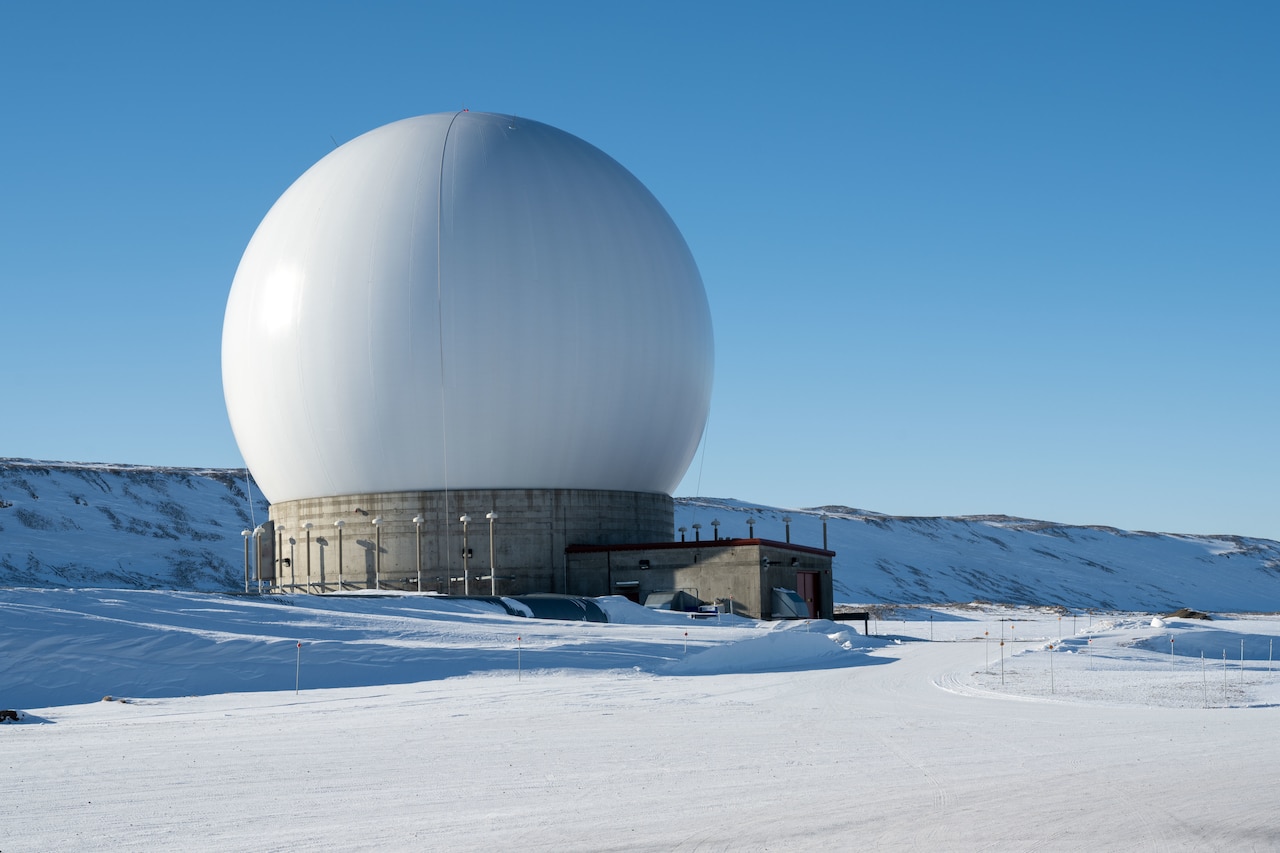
x,y
737,575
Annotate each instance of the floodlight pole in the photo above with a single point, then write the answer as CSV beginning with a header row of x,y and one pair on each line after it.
x,y
307,527
339,524
257,555
466,576
246,534
377,552
493,574
417,526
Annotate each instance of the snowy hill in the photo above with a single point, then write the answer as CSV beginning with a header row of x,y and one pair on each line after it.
x,y
67,524
911,560
79,525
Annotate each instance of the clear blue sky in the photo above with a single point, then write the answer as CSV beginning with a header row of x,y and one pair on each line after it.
x,y
961,257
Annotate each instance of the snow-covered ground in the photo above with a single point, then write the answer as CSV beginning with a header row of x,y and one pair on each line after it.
x,y
200,720
424,723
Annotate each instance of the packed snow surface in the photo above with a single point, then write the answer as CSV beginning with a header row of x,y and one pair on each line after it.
x,y
415,722
200,720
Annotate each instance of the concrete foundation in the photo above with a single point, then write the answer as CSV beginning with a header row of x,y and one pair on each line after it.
x,y
529,537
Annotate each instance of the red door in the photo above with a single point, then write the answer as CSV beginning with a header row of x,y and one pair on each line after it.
x,y
807,587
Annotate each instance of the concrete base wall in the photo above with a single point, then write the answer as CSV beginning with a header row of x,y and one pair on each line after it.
x,y
530,533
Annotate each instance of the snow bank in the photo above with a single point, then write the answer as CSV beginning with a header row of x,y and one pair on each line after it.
x,y
776,651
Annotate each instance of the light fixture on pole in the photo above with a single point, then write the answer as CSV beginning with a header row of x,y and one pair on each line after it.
x,y
786,519
466,552
751,527
493,574
293,571
417,527
246,534
715,528
682,532
377,552
257,555
697,532
307,527
339,524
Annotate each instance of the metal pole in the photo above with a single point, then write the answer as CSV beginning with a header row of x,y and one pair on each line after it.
x,y
246,534
339,524
417,526
257,556
377,553
307,527
466,570
493,572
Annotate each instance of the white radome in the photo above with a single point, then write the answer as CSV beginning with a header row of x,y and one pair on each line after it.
x,y
466,301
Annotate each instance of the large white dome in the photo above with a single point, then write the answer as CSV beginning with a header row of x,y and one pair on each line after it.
x,y
466,301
